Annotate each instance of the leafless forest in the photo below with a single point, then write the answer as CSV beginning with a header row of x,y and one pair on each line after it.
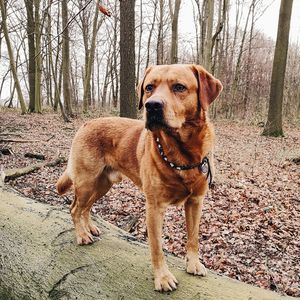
x,y
67,53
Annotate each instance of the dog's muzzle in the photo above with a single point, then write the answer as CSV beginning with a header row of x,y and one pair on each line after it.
x,y
154,114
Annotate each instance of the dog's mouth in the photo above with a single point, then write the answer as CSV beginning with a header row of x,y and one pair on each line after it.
x,y
155,121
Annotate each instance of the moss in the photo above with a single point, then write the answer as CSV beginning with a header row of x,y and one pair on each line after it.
x,y
7,294
273,133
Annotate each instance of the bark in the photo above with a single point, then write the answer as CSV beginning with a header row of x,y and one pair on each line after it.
x,y
11,57
160,38
114,67
274,122
31,53
58,67
128,107
138,67
85,18
57,84
223,7
106,79
66,60
209,16
249,70
40,260
38,65
174,20
90,62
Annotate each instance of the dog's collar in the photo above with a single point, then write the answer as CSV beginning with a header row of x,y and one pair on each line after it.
x,y
203,166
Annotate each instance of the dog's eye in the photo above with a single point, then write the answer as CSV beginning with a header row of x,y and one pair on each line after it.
x,y
149,88
179,88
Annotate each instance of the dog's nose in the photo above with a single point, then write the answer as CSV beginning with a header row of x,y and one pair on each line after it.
x,y
154,105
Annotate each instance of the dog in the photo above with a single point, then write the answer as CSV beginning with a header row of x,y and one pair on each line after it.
x,y
166,156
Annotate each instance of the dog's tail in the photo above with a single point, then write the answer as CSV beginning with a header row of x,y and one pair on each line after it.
x,y
64,183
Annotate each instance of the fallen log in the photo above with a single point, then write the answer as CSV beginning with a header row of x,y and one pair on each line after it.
x,y
40,260
17,172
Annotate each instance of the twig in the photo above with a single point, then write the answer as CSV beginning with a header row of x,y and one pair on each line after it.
x,y
35,155
51,137
14,173
9,133
18,141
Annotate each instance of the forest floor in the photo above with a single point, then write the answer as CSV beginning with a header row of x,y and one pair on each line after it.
x,y
250,228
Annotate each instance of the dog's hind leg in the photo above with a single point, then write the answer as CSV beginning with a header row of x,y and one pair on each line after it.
x,y
82,196
102,186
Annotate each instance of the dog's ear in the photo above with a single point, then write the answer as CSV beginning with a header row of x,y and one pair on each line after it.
x,y
209,88
140,88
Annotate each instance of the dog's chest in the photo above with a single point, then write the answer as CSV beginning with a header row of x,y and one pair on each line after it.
x,y
187,187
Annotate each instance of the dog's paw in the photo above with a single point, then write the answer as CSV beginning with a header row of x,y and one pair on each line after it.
x,y
193,266
164,280
95,231
84,238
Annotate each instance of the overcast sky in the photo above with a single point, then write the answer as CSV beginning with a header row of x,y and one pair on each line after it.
x,y
267,23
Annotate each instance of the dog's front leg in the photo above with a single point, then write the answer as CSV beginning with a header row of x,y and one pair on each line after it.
x,y
193,210
164,280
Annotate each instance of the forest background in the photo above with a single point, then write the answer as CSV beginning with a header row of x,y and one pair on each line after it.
x,y
67,53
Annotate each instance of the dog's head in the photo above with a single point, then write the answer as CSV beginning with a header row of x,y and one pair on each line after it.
x,y
175,94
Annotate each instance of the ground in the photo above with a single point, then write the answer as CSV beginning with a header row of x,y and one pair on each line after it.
x,y
250,225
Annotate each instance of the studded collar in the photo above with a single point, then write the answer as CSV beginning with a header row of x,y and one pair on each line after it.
x,y
203,166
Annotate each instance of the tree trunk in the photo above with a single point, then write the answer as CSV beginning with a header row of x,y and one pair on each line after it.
x,y
174,20
274,122
11,57
38,65
160,38
39,259
127,59
138,67
150,34
209,16
249,70
237,73
31,53
90,62
66,60
114,63
57,85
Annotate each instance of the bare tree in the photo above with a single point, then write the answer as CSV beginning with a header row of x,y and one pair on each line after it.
x,y
11,57
90,60
66,59
37,57
31,53
127,56
160,38
209,17
174,20
151,33
274,122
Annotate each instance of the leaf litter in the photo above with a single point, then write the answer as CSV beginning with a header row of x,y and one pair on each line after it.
x,y
250,227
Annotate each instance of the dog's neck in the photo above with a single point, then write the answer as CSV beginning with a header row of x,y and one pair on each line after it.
x,y
189,144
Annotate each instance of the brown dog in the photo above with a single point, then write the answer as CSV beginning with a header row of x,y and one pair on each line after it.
x,y
166,156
